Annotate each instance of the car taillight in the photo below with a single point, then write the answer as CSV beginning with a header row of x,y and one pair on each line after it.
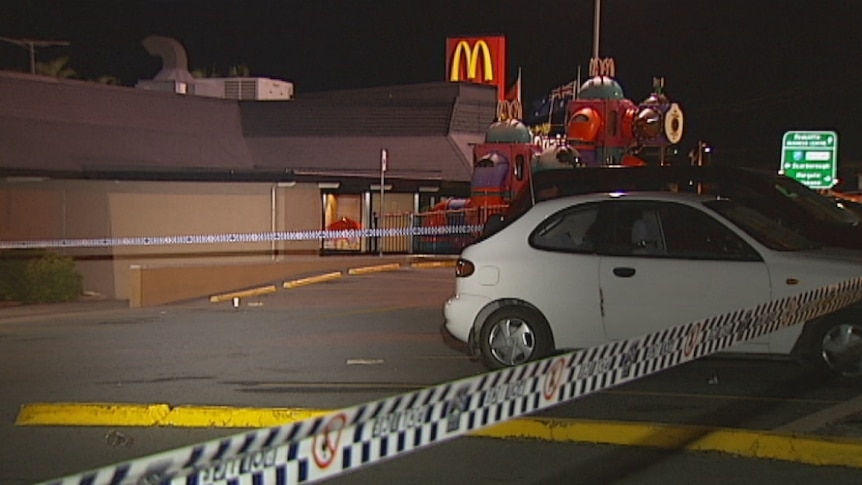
x,y
464,268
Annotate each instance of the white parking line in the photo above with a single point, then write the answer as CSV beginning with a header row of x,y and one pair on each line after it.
x,y
824,417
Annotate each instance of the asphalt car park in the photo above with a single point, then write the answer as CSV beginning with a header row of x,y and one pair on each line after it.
x,y
364,337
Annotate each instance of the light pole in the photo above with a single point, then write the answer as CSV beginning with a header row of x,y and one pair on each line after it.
x,y
596,24
31,45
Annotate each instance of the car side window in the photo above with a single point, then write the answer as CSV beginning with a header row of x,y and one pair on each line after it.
x,y
570,230
634,229
669,230
693,234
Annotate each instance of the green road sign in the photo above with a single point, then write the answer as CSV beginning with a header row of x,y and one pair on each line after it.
x,y
811,157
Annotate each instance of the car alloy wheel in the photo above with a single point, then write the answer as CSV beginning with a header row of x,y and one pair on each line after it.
x,y
513,336
841,349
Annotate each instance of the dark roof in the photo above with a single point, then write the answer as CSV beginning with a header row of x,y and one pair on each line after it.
x,y
80,128
74,126
409,157
427,130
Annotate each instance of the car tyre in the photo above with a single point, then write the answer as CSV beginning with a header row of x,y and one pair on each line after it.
x,y
835,346
514,335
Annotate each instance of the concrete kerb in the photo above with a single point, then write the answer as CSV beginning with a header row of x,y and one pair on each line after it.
x,y
374,269
434,264
312,279
243,294
330,276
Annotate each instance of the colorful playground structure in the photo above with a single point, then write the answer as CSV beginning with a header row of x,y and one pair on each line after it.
x,y
598,126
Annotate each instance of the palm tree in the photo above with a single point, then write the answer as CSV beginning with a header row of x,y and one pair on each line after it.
x,y
108,79
203,73
239,70
58,68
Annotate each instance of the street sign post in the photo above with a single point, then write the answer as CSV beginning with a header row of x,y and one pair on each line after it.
x,y
811,157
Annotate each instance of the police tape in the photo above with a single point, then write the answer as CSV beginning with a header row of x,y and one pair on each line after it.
x,y
249,237
354,437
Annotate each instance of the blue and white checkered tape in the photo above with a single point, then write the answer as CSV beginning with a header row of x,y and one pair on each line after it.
x,y
351,438
248,237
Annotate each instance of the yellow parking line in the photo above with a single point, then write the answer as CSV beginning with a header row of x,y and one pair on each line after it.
x,y
118,414
226,417
823,451
747,443
374,269
91,414
243,294
312,279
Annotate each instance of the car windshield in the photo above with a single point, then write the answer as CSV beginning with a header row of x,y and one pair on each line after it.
x,y
764,230
813,203
761,191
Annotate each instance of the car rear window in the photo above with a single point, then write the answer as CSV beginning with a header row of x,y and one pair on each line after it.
x,y
764,230
771,194
813,203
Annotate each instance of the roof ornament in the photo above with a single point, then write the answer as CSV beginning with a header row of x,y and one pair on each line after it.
x,y
175,63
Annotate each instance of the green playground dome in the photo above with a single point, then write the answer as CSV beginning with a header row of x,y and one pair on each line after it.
x,y
601,87
508,131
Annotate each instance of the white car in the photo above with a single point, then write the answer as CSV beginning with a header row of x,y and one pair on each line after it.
x,y
581,271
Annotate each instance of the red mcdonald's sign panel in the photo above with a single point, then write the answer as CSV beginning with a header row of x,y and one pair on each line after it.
x,y
480,60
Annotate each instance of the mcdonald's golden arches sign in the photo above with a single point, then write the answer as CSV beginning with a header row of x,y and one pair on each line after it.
x,y
480,60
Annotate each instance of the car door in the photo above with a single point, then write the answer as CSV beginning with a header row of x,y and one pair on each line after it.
x,y
665,264
561,277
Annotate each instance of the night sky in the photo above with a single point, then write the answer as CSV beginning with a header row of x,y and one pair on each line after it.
x,y
744,71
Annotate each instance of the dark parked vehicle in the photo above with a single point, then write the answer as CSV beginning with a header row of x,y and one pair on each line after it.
x,y
780,198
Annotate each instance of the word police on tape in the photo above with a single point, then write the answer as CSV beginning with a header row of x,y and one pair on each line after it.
x,y
323,447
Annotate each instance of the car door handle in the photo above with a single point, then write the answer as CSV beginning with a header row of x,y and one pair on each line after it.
x,y
624,272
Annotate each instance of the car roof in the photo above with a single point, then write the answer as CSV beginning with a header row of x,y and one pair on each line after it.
x,y
601,179
584,176
568,174
687,198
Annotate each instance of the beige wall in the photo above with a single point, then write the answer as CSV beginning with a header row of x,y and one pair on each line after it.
x,y
56,209
33,209
300,208
183,208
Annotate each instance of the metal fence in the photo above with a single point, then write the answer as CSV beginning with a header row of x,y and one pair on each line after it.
x,y
434,244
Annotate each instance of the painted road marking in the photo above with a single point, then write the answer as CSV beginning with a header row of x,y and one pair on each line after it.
x,y
741,442
118,414
809,450
364,361
824,417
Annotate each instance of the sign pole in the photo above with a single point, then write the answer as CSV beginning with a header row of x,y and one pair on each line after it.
x,y
383,159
